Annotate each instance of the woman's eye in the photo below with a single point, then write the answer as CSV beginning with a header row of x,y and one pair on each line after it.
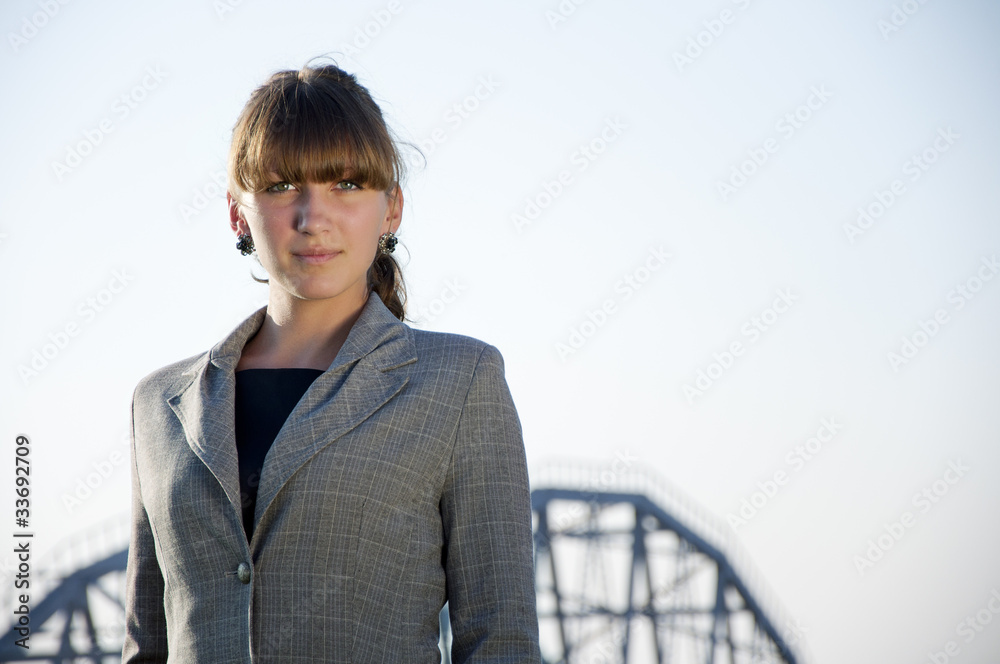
x,y
280,187
348,185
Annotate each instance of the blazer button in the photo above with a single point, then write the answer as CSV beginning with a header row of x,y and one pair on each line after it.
x,y
243,573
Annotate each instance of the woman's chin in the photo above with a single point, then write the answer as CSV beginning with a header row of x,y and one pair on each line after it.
x,y
323,291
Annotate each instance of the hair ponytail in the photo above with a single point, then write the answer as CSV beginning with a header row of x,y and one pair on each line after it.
x,y
386,280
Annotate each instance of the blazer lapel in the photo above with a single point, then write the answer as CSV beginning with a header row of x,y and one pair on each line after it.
x,y
205,406
370,369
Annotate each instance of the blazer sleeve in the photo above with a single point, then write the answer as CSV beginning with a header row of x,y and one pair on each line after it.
x,y
145,618
486,510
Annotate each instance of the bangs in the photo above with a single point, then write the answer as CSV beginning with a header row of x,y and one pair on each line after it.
x,y
310,131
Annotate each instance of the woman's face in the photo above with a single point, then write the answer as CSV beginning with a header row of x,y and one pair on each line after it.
x,y
317,240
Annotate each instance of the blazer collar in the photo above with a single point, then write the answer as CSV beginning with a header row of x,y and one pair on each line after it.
x,y
375,327
370,368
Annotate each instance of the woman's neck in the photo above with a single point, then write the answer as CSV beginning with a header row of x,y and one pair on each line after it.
x,y
299,333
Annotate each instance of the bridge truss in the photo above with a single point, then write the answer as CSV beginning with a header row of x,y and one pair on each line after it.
x,y
619,579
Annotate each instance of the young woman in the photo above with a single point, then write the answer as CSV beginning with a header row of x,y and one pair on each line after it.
x,y
320,482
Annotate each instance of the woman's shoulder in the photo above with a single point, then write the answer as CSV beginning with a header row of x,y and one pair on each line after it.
x,y
435,348
171,377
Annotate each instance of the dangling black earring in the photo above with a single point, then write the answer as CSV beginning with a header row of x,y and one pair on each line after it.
x,y
387,243
245,244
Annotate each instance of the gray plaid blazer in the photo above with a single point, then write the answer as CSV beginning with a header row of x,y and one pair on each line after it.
x,y
398,482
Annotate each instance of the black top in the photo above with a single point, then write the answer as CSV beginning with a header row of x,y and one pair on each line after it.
x,y
264,400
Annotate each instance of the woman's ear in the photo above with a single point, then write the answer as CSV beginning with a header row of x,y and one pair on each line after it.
x,y
394,212
236,220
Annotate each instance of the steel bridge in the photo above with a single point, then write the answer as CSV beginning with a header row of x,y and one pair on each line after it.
x,y
629,571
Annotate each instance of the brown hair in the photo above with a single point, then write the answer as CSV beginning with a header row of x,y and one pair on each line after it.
x,y
318,124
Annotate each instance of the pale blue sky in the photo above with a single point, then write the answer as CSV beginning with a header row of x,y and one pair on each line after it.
x,y
671,134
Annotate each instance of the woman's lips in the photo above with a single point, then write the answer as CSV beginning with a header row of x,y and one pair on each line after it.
x,y
314,259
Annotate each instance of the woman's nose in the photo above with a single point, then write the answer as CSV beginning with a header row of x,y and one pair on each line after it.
x,y
311,214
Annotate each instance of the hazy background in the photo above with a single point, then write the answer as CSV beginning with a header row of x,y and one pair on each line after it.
x,y
130,244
